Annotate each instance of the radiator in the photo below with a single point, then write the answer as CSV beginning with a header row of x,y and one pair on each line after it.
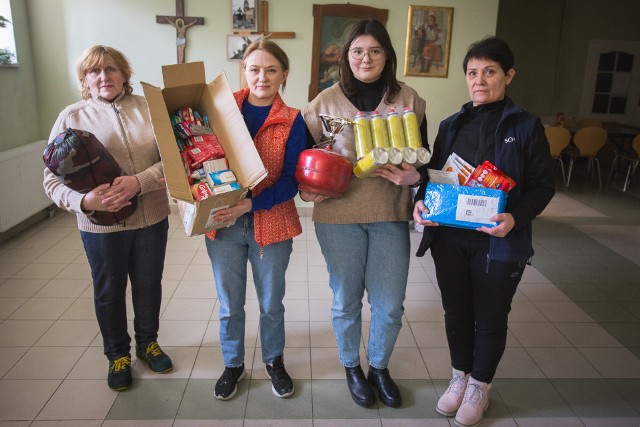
x,y
21,192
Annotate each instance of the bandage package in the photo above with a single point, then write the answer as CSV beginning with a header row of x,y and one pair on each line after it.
x,y
461,206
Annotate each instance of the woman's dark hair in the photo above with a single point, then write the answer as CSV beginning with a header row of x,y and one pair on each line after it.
x,y
376,30
491,48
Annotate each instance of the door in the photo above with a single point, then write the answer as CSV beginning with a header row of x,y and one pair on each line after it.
x,y
611,90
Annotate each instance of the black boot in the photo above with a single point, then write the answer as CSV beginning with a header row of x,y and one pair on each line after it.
x,y
361,391
387,389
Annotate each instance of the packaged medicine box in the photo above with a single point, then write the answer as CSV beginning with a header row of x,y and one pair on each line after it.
x,y
461,206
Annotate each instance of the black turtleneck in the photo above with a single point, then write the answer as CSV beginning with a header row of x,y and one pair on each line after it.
x,y
368,95
476,138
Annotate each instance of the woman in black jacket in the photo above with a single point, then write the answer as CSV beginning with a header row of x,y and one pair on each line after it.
x,y
478,270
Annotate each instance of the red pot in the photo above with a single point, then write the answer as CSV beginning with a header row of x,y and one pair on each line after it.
x,y
323,172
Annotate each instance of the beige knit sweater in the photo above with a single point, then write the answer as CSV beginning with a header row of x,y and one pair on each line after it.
x,y
370,199
124,128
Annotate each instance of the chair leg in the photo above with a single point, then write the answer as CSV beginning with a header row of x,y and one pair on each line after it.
x,y
626,180
569,173
597,164
630,172
614,167
564,176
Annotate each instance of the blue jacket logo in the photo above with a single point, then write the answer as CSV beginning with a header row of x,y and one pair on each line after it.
x,y
509,139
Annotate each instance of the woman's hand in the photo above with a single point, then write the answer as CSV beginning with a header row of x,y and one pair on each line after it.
x,y
121,191
312,197
234,212
418,210
506,224
406,174
111,197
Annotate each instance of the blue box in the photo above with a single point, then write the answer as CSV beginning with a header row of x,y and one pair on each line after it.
x,y
464,207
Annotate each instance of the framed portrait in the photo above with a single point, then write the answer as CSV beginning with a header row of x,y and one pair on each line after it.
x,y
428,41
237,44
331,23
244,15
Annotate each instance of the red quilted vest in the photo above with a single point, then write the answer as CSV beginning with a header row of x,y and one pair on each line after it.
x,y
281,222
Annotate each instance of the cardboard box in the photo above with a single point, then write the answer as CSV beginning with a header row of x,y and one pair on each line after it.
x,y
461,206
185,86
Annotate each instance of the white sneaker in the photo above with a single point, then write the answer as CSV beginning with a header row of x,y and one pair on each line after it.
x,y
474,404
451,400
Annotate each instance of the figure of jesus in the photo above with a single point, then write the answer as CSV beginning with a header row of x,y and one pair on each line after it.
x,y
181,35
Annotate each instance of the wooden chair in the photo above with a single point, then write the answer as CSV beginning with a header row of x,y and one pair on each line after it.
x,y
588,141
633,158
559,138
583,123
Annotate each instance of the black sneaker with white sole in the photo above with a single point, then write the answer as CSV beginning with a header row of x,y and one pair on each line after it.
x,y
281,383
227,384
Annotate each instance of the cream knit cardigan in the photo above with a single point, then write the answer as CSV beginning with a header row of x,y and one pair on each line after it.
x,y
124,128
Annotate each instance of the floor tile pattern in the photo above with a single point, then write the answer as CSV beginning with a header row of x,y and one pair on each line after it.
x,y
572,357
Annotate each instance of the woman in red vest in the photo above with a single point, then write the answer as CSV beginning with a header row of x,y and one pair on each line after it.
x,y
265,223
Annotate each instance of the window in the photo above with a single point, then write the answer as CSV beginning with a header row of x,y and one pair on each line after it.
x,y
613,81
7,38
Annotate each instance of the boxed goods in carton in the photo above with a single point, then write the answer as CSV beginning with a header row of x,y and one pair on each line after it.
x,y
467,197
186,87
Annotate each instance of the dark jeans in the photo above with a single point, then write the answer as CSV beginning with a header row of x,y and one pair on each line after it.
x,y
114,257
476,301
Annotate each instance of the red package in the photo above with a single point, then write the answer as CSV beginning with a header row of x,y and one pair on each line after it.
x,y
489,176
201,191
186,161
205,147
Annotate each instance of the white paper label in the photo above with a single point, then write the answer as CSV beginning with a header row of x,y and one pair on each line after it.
x,y
473,208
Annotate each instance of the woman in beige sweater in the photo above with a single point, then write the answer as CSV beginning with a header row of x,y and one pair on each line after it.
x,y
364,236
133,248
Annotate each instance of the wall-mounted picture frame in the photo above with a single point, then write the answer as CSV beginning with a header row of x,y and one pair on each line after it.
x,y
237,44
244,15
428,41
331,23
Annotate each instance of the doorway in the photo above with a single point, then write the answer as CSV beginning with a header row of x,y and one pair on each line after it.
x,y
611,89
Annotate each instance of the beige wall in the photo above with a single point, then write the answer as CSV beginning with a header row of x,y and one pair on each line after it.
x,y
61,29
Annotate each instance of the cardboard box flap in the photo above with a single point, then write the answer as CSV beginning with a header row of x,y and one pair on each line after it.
x,y
229,127
178,185
183,74
184,96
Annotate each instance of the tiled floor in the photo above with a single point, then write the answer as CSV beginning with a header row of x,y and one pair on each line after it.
x,y
572,357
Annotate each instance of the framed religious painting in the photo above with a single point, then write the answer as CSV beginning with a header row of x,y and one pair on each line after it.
x,y
244,16
331,24
428,41
236,45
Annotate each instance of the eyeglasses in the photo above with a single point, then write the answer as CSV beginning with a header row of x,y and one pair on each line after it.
x,y
374,53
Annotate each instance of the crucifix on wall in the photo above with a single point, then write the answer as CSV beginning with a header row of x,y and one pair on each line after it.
x,y
182,24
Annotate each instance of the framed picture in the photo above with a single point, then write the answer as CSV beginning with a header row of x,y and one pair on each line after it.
x,y
236,45
244,15
331,24
428,41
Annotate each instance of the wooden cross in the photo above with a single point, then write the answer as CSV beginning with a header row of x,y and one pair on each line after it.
x,y
264,24
182,24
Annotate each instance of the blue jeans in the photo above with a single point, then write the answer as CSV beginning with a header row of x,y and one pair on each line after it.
x,y
229,253
136,254
374,257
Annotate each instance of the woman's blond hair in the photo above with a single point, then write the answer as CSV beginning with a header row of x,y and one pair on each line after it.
x,y
94,57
